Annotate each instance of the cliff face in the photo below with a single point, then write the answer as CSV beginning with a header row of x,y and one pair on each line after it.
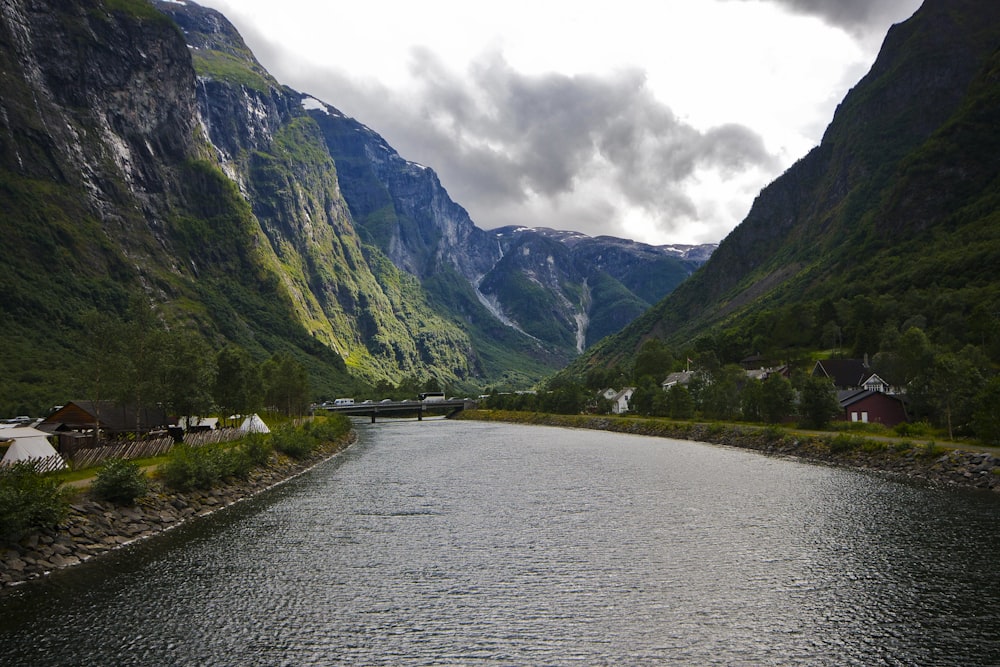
x,y
556,293
903,180
144,152
210,192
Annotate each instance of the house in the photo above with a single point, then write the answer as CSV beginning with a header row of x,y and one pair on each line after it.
x,y
852,374
619,399
680,377
871,407
74,422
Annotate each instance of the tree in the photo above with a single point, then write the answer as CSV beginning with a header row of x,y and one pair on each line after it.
x,y
986,416
286,384
644,396
238,382
102,338
721,395
777,397
953,386
680,404
566,399
141,360
189,373
653,360
750,400
817,402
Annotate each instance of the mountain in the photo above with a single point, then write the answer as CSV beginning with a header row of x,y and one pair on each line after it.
x,y
508,303
893,220
147,157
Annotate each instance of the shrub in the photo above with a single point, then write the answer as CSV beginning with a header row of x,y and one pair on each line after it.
x,y
29,501
257,448
842,443
297,443
120,481
203,467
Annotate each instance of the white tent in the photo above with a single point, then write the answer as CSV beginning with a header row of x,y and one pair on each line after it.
x,y
254,424
30,444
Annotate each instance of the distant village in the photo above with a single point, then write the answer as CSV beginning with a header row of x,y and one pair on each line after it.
x,y
861,394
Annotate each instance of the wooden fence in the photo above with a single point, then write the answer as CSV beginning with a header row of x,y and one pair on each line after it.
x,y
147,447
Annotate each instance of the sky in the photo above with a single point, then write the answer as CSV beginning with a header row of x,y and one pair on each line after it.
x,y
656,121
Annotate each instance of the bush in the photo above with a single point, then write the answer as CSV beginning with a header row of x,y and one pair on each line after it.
x,y
203,467
120,481
29,501
257,449
297,443
842,443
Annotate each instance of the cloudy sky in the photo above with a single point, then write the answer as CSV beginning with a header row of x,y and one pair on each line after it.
x,y
658,121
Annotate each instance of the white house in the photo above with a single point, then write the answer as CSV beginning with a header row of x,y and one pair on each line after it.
x,y
619,399
680,377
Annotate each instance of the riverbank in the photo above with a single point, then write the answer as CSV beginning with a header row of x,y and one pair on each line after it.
x,y
926,461
93,527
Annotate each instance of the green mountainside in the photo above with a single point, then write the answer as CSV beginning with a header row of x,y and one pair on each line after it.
x,y
130,170
893,221
150,166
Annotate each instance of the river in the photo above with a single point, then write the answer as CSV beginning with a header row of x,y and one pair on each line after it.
x,y
455,542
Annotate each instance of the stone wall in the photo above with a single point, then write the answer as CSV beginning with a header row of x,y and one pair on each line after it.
x,y
93,527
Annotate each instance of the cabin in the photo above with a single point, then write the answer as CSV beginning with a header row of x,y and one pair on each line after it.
x,y
871,407
74,422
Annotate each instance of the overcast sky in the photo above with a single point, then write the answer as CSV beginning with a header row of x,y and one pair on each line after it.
x,y
658,121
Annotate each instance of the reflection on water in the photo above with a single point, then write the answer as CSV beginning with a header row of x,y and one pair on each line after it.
x,y
445,542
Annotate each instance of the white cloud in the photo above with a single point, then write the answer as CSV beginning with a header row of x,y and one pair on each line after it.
x,y
659,122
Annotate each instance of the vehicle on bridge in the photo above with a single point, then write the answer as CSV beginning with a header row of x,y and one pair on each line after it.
x,y
344,401
432,396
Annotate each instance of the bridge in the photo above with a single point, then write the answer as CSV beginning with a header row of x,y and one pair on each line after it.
x,y
447,408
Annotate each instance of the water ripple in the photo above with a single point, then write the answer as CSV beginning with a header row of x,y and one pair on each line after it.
x,y
441,543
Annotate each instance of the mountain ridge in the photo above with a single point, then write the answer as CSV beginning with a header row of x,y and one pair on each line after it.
x,y
906,175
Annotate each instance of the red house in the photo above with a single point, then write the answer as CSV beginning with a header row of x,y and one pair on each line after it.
x,y
871,407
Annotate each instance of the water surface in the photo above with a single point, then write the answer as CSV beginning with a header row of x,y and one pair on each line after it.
x,y
440,542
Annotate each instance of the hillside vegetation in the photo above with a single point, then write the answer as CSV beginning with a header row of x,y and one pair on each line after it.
x,y
892,222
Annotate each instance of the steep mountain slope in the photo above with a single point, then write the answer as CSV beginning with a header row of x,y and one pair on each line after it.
x,y
550,311
145,153
107,191
123,173
893,216
379,322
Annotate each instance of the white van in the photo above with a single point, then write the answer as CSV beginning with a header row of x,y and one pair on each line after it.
x,y
343,401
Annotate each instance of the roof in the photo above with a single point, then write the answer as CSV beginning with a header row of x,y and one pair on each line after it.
x,y
845,373
83,414
849,397
680,377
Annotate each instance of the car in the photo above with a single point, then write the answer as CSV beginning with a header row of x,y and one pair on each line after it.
x,y
386,400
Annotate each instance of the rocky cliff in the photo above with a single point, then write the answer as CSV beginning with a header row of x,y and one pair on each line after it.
x,y
144,152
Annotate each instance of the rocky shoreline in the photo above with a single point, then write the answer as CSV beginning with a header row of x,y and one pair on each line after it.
x,y
93,527
908,459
